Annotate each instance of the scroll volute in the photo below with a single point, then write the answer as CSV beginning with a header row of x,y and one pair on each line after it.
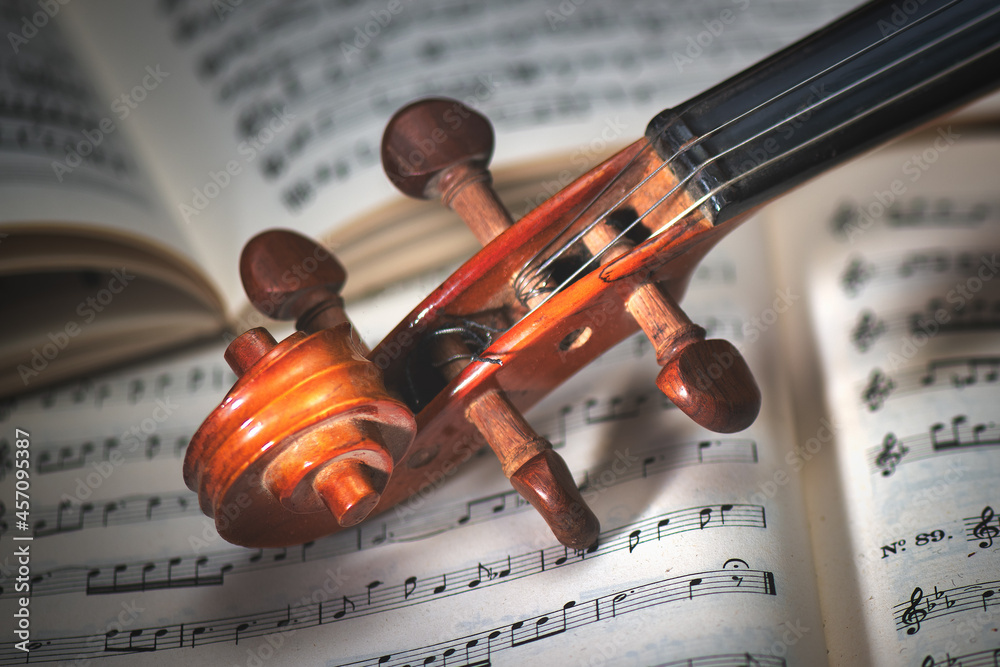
x,y
307,439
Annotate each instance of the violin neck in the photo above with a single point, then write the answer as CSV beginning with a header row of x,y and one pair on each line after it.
x,y
881,70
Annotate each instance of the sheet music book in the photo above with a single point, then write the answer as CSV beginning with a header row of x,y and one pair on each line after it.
x,y
154,138
852,524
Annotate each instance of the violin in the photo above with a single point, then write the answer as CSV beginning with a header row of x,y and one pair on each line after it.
x,y
320,432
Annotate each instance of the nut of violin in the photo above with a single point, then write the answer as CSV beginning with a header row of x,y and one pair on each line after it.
x,y
710,382
350,489
288,276
248,348
546,483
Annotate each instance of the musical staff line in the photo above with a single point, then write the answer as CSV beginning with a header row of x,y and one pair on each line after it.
x,y
862,273
728,660
211,380
957,436
379,596
953,373
62,457
921,607
987,658
210,569
919,213
481,646
940,317
173,442
71,516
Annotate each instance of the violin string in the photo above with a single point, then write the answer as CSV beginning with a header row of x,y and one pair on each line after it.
x,y
539,274
477,335
807,110
701,167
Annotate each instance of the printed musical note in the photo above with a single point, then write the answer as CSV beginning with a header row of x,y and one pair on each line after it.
x,y
619,408
938,443
495,504
529,637
287,620
177,572
242,627
956,441
633,540
370,587
697,581
67,458
132,647
650,460
146,569
343,612
482,574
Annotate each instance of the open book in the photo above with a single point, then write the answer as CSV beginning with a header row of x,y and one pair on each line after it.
x,y
143,143
855,523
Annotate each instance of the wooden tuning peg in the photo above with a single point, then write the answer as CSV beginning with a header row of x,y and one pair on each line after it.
x,y
307,438
707,379
440,148
288,276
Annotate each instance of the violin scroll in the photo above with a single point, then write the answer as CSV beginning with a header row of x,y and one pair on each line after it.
x,y
306,440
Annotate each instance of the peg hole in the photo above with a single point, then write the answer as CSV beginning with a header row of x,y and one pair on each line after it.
x,y
575,339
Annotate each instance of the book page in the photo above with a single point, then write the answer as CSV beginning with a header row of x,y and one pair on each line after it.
x,y
65,162
272,113
897,253
699,562
92,269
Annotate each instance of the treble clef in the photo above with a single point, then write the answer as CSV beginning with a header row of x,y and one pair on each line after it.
x,y
984,530
891,454
912,616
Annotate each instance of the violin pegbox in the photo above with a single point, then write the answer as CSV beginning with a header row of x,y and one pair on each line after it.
x,y
441,148
308,437
314,437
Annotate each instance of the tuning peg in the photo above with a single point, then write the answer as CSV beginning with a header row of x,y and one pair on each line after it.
x,y
288,276
248,348
440,148
707,379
